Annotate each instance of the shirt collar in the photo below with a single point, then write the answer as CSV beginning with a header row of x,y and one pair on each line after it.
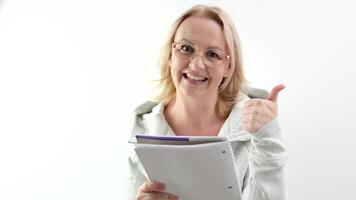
x,y
231,128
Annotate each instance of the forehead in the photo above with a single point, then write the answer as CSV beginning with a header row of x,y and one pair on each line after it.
x,y
202,31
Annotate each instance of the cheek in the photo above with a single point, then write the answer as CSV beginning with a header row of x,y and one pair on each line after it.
x,y
226,70
177,66
176,71
219,73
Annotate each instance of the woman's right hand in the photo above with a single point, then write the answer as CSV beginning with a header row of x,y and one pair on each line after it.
x,y
153,191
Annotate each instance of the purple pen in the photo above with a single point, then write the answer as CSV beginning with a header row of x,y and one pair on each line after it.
x,y
151,137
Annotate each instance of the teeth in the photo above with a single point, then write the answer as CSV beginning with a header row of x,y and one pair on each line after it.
x,y
198,78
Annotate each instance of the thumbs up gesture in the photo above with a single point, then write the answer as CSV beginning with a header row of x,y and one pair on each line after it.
x,y
258,112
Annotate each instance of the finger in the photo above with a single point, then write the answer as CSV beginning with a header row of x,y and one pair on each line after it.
x,y
156,196
250,103
251,110
245,125
274,93
247,103
149,186
248,119
164,196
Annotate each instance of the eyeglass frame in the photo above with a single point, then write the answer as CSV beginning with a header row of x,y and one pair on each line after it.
x,y
197,51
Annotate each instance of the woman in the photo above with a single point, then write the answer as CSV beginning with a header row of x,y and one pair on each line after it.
x,y
203,94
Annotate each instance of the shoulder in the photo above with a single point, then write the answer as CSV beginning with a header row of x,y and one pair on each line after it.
x,y
145,108
148,119
246,94
253,92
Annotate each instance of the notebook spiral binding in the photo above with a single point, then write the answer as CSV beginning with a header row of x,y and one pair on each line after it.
x,y
239,196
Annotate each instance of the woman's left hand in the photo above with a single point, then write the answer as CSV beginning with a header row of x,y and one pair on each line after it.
x,y
258,112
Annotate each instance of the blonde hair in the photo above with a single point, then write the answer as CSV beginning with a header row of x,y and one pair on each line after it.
x,y
231,85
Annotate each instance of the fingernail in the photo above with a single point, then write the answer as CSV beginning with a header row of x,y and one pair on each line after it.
x,y
172,197
161,186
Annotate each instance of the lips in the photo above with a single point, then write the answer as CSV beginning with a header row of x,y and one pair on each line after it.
x,y
194,77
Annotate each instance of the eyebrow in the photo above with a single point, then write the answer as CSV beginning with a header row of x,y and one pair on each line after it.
x,y
186,40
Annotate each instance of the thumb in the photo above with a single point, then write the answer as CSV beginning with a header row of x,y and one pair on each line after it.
x,y
274,93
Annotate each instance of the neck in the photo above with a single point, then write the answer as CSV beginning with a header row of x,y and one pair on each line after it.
x,y
188,115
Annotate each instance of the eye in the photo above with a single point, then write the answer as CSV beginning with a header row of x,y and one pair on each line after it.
x,y
186,49
213,55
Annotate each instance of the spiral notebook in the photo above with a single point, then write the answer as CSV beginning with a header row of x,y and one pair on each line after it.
x,y
201,171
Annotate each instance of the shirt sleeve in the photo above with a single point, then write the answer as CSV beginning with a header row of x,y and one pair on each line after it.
x,y
264,178
135,177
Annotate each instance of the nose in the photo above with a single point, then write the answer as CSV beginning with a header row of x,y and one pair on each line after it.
x,y
197,62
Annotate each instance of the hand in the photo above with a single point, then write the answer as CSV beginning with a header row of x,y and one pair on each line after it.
x,y
153,191
258,112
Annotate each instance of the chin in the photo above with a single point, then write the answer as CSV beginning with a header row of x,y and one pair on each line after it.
x,y
195,92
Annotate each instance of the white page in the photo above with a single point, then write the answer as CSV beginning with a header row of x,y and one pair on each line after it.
x,y
199,172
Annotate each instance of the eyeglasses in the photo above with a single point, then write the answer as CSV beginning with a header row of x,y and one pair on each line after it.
x,y
187,52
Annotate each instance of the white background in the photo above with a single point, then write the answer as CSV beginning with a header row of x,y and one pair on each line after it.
x,y
71,71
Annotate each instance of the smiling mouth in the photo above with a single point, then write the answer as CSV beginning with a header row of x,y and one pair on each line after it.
x,y
194,78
